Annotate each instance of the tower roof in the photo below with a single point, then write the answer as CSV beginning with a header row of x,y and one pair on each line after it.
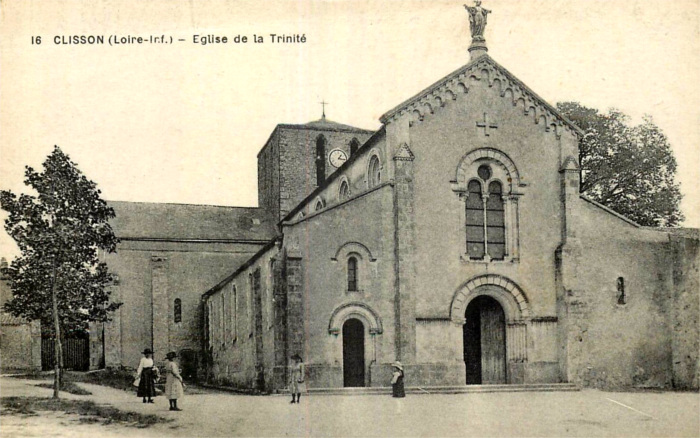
x,y
324,123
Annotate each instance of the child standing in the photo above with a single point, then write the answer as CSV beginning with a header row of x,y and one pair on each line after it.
x,y
174,386
297,378
397,388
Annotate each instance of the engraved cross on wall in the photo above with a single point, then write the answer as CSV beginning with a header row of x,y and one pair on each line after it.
x,y
486,125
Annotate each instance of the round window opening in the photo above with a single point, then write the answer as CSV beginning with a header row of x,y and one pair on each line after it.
x,y
484,172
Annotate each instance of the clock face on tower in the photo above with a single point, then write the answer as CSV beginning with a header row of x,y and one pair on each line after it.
x,y
337,157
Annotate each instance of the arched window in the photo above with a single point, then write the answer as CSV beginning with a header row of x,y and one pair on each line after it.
x,y
486,232
475,221
354,146
495,224
374,170
320,160
344,192
319,205
621,297
352,274
178,310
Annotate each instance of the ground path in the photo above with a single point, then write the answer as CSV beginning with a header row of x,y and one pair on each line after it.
x,y
551,414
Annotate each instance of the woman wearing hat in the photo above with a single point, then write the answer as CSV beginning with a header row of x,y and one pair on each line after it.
x,y
147,375
297,378
174,386
397,380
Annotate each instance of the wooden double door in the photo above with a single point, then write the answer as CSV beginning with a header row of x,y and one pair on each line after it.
x,y
484,336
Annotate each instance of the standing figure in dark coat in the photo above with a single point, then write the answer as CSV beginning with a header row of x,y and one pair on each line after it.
x,y
397,388
148,374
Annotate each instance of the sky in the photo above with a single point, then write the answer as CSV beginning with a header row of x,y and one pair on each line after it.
x,y
183,122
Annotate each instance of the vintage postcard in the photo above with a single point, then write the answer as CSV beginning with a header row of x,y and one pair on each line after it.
x,y
350,218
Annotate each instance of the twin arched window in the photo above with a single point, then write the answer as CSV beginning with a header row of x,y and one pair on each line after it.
x,y
485,217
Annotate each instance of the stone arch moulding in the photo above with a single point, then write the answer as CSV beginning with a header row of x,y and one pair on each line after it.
x,y
511,297
355,309
353,247
465,164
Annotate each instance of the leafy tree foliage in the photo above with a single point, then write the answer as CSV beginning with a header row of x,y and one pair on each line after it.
x,y
58,279
630,169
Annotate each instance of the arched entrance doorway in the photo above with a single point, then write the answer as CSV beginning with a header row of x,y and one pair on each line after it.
x,y
353,353
484,334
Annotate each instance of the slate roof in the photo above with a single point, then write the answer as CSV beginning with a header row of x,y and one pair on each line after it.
x,y
191,222
324,123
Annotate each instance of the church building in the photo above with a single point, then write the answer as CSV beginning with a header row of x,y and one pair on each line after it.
x,y
453,239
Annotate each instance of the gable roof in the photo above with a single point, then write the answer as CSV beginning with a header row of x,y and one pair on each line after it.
x,y
156,221
520,90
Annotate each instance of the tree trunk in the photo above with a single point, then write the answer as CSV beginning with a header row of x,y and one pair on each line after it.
x,y
58,348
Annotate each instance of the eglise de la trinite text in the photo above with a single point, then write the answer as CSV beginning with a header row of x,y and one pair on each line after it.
x,y
208,39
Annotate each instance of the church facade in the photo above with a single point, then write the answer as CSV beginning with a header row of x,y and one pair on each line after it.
x,y
453,239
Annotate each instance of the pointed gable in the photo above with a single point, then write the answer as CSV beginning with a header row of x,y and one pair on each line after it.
x,y
483,68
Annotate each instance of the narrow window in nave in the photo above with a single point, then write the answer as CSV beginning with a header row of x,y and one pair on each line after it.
x,y
177,310
475,221
344,190
375,176
621,297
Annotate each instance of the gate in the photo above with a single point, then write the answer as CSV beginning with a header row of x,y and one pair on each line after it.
x,y
76,354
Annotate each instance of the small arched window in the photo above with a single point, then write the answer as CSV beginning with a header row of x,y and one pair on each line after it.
x,y
177,307
375,175
354,146
344,190
320,160
621,297
352,274
319,205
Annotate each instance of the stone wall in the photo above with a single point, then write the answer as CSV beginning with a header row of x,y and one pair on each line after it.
x,y
361,227
615,340
685,312
151,275
532,155
243,331
298,161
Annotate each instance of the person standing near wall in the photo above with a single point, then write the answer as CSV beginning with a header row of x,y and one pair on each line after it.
x,y
146,374
297,378
397,387
174,386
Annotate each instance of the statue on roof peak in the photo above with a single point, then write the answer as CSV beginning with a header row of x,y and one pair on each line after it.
x,y
477,19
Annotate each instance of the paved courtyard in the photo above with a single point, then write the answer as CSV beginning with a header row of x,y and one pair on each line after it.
x,y
552,414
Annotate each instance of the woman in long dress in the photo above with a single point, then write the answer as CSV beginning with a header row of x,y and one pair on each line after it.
x,y
174,386
148,375
297,378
